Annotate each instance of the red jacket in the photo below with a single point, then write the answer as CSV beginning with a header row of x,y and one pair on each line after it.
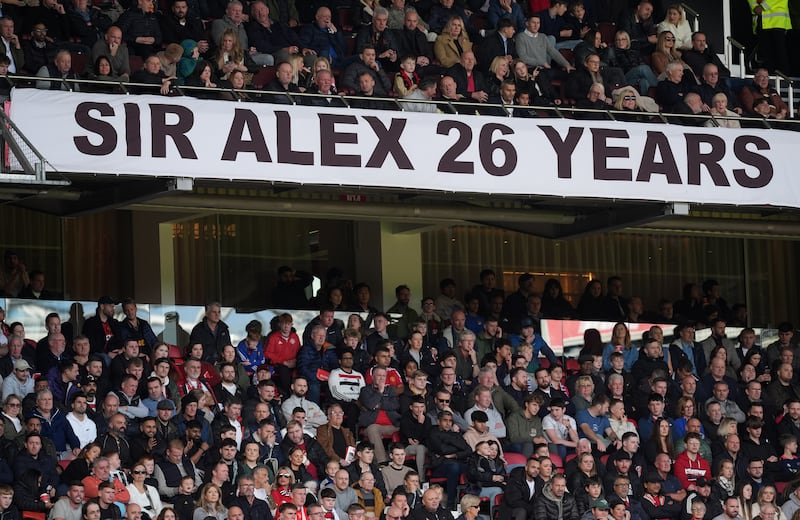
x,y
688,471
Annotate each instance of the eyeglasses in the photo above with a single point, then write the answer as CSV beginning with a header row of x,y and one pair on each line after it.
x,y
13,405
139,472
336,413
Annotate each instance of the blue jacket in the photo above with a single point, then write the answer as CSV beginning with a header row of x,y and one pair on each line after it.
x,y
314,37
309,360
58,430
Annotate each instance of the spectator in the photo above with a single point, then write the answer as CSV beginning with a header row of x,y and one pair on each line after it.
x,y
452,43
322,38
641,27
141,29
39,51
59,69
367,63
675,22
506,10
234,20
560,34
180,24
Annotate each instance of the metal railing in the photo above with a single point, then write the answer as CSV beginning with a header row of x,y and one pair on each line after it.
x,y
24,157
780,76
401,104
696,21
729,46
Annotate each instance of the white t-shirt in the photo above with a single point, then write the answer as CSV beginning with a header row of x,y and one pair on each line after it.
x,y
548,423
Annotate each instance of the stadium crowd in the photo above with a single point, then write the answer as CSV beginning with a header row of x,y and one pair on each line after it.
x,y
403,414
514,57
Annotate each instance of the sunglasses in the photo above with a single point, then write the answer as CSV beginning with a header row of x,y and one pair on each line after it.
x,y
443,400
629,98
670,39
284,475
139,472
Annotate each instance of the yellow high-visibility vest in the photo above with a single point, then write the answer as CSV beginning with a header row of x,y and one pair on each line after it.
x,y
775,14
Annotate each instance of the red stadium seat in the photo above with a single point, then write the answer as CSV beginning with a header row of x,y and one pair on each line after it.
x,y
263,77
557,462
79,61
607,32
572,366
515,458
136,63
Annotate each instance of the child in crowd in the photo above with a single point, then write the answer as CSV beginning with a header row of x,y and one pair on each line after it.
x,y
407,79
184,502
330,471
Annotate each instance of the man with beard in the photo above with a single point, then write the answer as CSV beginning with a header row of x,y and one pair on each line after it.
x,y
115,440
147,443
102,329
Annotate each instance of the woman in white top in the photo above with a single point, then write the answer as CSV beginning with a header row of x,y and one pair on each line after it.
x,y
146,496
675,22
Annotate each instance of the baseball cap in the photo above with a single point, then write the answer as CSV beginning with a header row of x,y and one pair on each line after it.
x,y
600,503
526,322
22,365
106,300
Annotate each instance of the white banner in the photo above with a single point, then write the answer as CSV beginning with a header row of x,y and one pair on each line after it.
x,y
186,137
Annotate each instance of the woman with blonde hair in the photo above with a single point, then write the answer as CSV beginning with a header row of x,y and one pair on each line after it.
x,y
500,71
210,504
767,496
452,42
676,23
282,487
321,63
470,507
666,52
230,56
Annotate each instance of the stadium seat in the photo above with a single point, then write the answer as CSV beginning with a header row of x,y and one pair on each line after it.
x,y
544,362
79,61
136,63
498,499
175,352
607,32
572,366
263,77
514,461
569,457
344,15
557,462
